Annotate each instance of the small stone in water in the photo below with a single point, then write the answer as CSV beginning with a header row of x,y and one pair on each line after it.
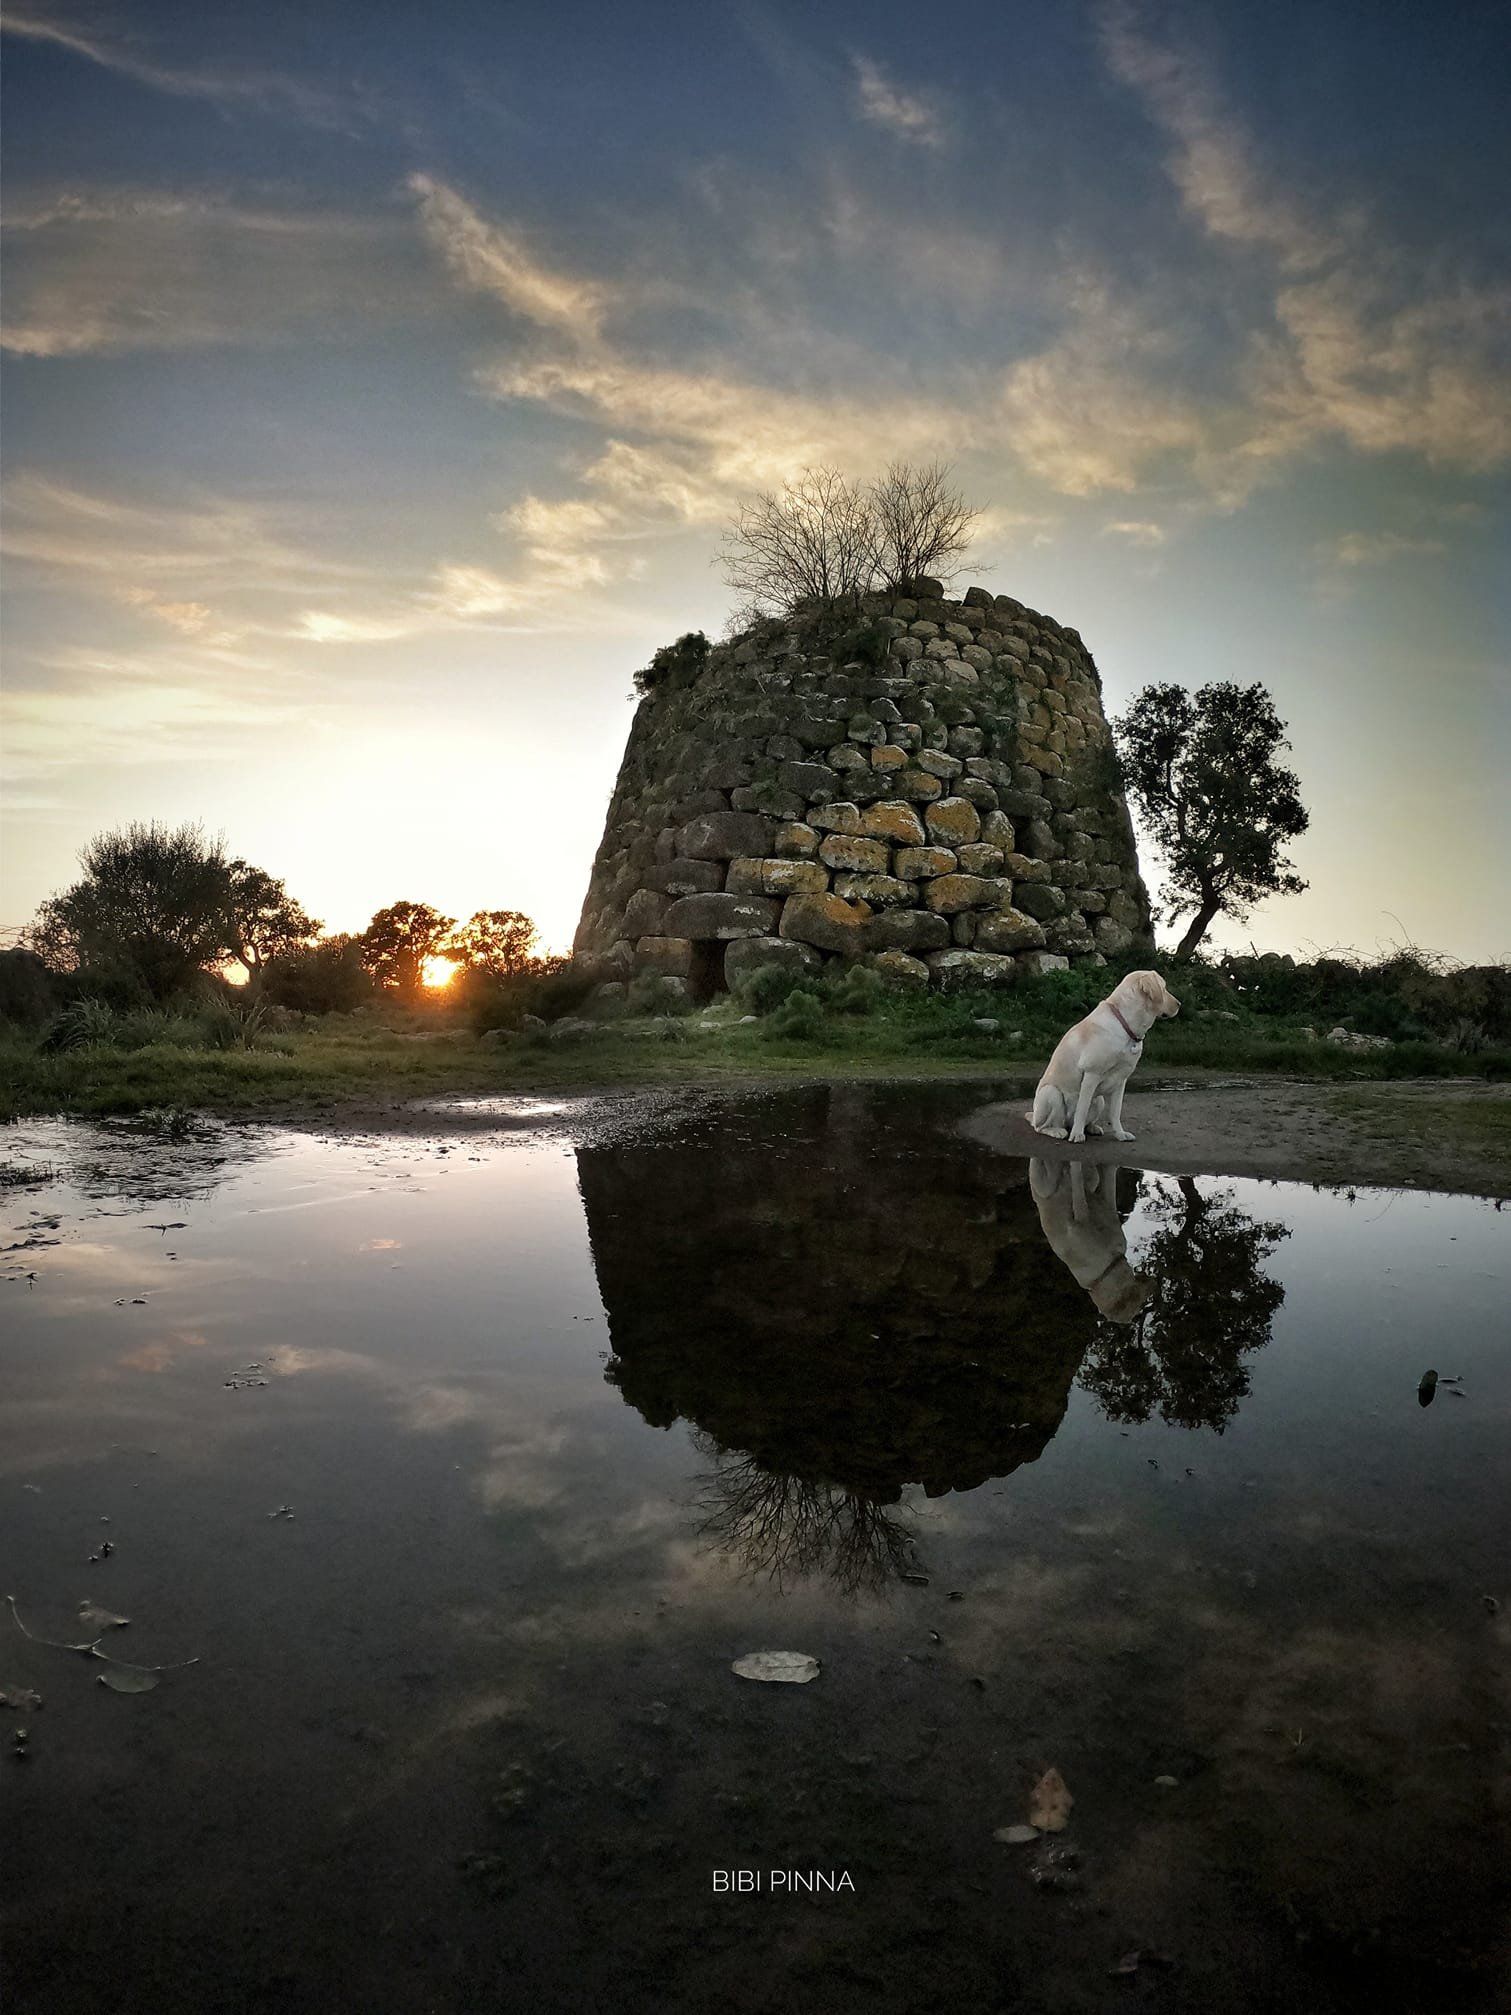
x,y
1016,1836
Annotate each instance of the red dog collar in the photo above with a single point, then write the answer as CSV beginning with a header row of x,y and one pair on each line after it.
x,y
1136,1040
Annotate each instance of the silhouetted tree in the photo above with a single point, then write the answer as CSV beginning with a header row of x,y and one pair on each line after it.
x,y
324,978
1218,806
1209,1306
498,943
398,941
151,912
267,921
779,1527
920,525
822,538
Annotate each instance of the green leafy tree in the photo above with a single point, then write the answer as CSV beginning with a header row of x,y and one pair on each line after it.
x,y
399,940
267,921
1202,772
151,912
498,943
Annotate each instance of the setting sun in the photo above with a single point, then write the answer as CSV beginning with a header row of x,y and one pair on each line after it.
x,y
438,972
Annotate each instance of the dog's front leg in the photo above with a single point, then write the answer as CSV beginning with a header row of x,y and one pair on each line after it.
x,y
1088,1092
1115,1111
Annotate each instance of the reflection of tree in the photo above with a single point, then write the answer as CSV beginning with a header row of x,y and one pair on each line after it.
x,y
783,1527
1209,1306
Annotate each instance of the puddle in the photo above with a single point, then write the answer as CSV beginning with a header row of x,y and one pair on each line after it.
x,y
466,1464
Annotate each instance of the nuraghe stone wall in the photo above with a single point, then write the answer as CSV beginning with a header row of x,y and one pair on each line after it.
x,y
925,790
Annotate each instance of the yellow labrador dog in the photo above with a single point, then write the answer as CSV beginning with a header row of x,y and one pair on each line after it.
x,y
1078,1209
1083,1086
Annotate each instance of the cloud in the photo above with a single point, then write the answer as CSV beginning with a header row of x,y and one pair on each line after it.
x,y
263,91
904,114
1137,531
112,270
1375,549
1366,346
491,260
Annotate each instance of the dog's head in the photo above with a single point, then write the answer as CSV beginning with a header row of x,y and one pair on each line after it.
x,y
1154,994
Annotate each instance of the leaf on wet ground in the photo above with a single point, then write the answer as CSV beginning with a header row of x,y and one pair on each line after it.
x,y
1049,1803
786,1668
92,1617
128,1678
20,1699
50,1643
1016,1836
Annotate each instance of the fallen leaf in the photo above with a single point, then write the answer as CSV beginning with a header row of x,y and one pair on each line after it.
x,y
50,1643
127,1678
96,1619
1168,1783
1129,1963
1016,1836
1049,1803
788,1668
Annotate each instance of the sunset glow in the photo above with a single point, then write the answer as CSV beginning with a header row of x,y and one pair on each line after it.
x,y
439,973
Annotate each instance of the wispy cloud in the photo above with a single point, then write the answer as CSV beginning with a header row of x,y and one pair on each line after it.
x,y
1136,531
93,270
905,114
490,259
1376,549
259,90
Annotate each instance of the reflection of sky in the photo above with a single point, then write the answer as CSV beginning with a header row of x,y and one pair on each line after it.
x,y
362,384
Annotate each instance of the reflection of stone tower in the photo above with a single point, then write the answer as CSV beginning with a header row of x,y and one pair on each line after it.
x,y
927,789
854,1303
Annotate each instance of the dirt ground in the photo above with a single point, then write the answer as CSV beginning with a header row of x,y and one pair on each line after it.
x,y
1411,1134
1426,1133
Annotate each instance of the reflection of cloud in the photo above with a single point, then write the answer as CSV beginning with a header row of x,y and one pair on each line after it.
x,y
1374,549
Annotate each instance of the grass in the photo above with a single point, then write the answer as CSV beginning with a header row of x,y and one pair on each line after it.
x,y
350,1060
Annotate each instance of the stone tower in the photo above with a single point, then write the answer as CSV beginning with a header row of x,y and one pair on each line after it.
x,y
924,785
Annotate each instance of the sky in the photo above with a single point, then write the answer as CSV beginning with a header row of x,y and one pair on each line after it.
x,y
377,385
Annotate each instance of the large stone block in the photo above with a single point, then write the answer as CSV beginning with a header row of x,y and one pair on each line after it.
x,y
795,841
884,891
724,836
836,818
775,878
670,956
958,969
750,955
949,893
917,864
952,821
1039,899
1008,930
894,821
722,916
827,922
899,969
685,878
643,913
855,856
907,930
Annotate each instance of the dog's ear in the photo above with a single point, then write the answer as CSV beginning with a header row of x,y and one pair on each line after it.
x,y
1151,986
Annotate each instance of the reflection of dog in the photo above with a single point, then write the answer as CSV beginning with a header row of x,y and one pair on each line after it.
x,y
1083,1086
1078,1209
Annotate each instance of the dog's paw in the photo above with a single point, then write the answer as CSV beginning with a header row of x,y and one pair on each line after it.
x,y
1078,1134
1123,1134
1053,1132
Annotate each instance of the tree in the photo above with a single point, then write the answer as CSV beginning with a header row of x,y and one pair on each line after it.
x,y
919,524
498,943
810,541
398,941
1210,1306
1203,775
151,913
323,978
267,922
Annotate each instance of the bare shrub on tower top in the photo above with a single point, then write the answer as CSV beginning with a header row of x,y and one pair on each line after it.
x,y
810,541
823,539
920,524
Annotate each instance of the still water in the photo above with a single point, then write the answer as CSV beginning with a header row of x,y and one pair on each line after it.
x,y
465,1464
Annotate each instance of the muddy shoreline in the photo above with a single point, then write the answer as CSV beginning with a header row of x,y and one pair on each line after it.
x,y
1427,1133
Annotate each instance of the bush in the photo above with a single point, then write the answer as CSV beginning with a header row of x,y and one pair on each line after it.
x,y
325,978
765,989
656,994
674,665
549,988
858,991
800,1018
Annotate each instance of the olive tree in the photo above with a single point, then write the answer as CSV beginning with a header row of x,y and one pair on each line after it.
x,y
399,940
1202,772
